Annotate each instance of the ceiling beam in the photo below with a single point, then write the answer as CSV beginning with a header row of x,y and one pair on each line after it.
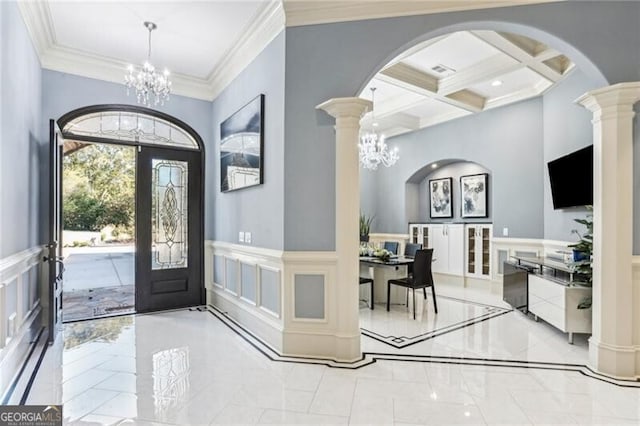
x,y
485,70
411,77
518,53
417,81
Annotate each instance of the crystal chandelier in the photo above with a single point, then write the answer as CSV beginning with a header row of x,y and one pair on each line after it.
x,y
147,83
372,147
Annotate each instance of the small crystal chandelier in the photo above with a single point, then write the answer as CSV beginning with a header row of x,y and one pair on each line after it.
x,y
146,81
372,147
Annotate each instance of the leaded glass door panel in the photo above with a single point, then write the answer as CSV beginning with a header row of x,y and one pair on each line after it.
x,y
169,234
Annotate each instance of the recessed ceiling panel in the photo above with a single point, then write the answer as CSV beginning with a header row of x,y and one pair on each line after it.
x,y
512,82
458,51
191,38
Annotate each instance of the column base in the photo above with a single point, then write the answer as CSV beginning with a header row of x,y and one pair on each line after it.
x,y
620,362
341,348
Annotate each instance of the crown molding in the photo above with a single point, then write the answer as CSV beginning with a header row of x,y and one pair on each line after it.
x,y
37,19
305,12
266,24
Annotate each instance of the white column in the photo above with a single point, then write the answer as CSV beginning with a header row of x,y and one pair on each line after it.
x,y
611,346
347,112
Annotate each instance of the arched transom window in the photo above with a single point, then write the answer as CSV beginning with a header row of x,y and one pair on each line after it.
x,y
128,127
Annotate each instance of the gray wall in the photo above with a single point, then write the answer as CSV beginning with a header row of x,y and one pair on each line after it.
x,y
20,120
336,60
454,171
257,209
567,127
505,141
63,92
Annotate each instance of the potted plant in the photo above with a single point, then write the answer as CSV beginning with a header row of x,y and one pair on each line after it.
x,y
365,227
582,256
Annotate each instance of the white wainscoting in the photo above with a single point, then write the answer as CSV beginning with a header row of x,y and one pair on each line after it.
x,y
288,299
228,288
20,312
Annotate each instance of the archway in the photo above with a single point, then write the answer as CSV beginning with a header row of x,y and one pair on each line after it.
x,y
580,59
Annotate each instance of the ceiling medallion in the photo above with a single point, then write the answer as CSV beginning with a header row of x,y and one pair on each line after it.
x,y
150,86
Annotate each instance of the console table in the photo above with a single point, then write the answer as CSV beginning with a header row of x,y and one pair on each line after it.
x,y
554,297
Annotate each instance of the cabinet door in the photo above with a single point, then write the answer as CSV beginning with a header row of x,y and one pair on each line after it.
x,y
484,254
471,249
455,236
440,245
424,236
414,234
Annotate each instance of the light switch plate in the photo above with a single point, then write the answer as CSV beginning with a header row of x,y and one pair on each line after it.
x,y
247,237
505,232
241,236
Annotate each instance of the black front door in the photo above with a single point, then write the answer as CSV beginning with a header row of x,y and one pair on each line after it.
x,y
169,240
53,256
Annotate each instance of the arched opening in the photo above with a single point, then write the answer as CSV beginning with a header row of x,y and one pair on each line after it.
x,y
476,111
132,194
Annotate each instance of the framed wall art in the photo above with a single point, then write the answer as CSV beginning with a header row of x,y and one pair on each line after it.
x,y
474,192
241,147
440,199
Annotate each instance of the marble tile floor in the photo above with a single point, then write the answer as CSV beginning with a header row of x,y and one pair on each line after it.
x,y
188,367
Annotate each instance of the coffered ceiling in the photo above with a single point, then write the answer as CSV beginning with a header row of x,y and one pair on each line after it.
x,y
459,74
205,43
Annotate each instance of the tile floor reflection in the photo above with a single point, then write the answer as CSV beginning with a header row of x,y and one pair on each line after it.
x,y
187,367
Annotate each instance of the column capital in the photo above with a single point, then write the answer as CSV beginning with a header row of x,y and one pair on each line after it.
x,y
346,107
621,94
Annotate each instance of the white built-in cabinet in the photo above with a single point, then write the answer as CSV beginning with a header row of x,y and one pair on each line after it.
x,y
447,242
458,249
478,250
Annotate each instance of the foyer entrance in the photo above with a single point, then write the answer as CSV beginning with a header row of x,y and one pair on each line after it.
x,y
143,251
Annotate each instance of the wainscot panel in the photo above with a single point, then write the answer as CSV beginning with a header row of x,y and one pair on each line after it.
x,y
20,312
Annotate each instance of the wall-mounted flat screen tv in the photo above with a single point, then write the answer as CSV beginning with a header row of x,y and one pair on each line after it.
x,y
571,179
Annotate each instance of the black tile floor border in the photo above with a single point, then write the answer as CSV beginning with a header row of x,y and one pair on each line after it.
x,y
400,342
371,357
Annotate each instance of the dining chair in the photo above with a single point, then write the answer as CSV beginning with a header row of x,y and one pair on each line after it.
x,y
364,280
421,279
410,249
392,246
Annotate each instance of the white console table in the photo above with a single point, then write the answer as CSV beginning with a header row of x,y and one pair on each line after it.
x,y
553,297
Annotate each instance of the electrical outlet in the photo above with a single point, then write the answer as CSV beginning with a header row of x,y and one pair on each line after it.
x,y
241,236
505,232
247,237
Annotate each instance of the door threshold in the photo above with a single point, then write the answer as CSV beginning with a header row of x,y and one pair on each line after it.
x,y
123,314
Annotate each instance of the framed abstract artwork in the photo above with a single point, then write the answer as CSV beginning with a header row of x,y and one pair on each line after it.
x,y
241,147
440,200
474,193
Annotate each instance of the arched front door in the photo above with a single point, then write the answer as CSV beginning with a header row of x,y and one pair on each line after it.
x,y
169,198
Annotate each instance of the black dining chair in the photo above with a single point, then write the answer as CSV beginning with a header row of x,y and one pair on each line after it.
x,y
392,246
410,250
365,281
421,278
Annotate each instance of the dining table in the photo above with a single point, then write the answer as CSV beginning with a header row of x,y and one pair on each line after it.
x,y
383,270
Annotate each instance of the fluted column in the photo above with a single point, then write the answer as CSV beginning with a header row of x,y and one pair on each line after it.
x,y
612,346
347,112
